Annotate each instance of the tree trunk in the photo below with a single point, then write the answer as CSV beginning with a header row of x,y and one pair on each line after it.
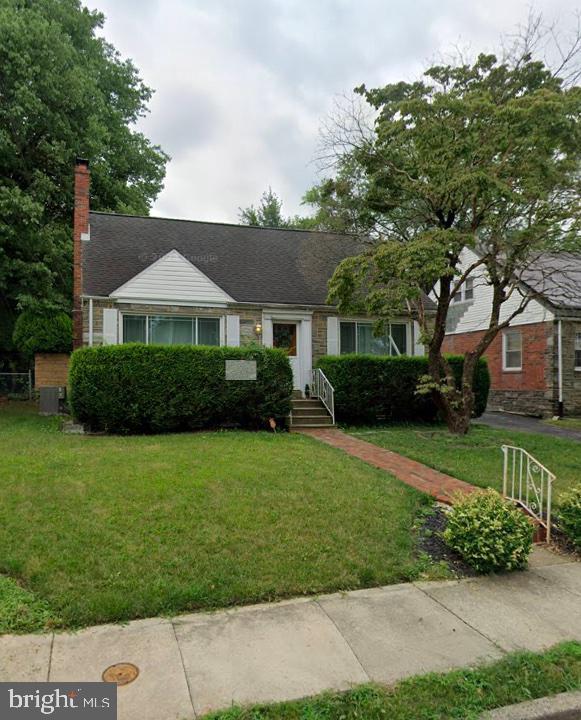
x,y
456,413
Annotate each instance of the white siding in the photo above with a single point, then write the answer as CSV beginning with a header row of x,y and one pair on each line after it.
x,y
471,315
172,279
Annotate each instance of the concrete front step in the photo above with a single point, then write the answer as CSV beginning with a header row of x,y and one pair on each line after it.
x,y
311,421
309,412
302,411
311,402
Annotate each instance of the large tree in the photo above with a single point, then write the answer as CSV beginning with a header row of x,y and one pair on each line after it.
x,y
269,214
64,92
483,155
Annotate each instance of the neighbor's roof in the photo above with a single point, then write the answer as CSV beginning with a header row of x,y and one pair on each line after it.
x,y
557,277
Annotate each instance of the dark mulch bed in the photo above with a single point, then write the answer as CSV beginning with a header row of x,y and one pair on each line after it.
x,y
430,542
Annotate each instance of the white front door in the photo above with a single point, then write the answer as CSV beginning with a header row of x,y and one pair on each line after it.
x,y
285,335
292,332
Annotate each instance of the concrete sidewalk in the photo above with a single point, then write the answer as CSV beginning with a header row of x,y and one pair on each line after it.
x,y
196,663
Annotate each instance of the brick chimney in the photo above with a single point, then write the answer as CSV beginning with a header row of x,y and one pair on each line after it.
x,y
80,233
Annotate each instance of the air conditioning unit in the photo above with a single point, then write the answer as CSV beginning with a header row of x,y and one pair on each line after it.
x,y
51,400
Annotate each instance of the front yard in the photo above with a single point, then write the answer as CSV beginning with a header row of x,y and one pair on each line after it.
x,y
477,458
112,528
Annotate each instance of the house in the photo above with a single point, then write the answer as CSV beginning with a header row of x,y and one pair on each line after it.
x,y
535,363
158,280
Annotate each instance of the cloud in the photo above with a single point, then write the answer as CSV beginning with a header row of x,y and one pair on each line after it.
x,y
242,86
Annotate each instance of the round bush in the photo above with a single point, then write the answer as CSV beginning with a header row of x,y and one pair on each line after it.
x,y
570,516
489,532
43,332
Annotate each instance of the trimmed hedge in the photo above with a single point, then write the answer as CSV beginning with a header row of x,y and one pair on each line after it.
x,y
138,388
373,388
43,332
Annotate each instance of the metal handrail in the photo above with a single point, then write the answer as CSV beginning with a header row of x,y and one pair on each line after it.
x,y
321,388
527,482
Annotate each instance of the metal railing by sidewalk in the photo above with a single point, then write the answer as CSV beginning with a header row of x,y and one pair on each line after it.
x,y
321,388
528,483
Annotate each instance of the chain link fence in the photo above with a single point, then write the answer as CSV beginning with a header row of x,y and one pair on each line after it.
x,y
16,386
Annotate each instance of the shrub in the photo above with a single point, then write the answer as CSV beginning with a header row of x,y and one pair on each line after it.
x,y
570,515
489,532
139,388
372,388
43,332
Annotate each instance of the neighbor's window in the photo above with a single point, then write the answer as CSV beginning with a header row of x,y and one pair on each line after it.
x,y
466,292
358,337
171,330
469,289
578,351
512,343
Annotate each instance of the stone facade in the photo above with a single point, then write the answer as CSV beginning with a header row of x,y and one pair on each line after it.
x,y
571,376
319,335
248,321
98,306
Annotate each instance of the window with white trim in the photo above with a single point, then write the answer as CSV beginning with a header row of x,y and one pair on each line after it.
x,y
578,351
171,330
358,337
512,350
466,292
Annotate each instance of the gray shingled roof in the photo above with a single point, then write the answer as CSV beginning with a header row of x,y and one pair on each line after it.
x,y
251,264
558,278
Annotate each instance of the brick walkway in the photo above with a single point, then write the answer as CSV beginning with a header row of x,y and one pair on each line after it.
x,y
412,473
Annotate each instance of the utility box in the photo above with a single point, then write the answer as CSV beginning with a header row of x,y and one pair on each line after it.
x,y
51,400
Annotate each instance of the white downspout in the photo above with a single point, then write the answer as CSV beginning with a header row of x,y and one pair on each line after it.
x,y
560,365
90,322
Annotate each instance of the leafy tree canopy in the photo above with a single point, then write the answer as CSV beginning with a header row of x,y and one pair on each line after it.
x,y
269,214
485,156
64,92
43,332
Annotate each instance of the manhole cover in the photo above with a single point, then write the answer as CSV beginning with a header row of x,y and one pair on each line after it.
x,y
121,673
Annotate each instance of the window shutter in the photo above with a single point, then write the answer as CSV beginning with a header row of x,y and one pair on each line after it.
x,y
233,330
419,349
332,336
110,326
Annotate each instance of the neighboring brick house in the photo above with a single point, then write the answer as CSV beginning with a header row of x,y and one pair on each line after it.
x,y
535,363
159,280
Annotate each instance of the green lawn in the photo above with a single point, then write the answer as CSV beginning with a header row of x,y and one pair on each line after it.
x,y
476,457
566,423
111,528
457,695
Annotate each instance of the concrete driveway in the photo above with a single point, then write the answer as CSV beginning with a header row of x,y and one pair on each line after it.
x,y
196,663
508,421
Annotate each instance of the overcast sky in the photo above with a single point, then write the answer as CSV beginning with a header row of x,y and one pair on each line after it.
x,y
241,86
